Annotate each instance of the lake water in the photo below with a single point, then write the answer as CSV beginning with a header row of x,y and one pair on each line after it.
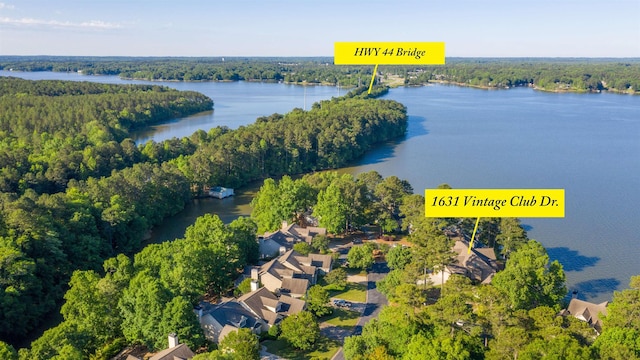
x,y
587,144
235,103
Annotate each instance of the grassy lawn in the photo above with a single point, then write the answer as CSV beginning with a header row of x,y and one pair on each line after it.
x,y
360,272
352,292
342,318
325,349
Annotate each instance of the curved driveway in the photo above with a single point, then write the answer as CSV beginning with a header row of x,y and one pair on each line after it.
x,y
375,301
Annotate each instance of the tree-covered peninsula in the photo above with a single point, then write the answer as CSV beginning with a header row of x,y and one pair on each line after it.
x,y
55,131
75,190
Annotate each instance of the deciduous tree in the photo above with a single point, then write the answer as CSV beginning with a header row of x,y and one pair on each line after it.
x,y
398,257
337,278
331,209
361,256
624,310
301,330
243,344
318,301
530,279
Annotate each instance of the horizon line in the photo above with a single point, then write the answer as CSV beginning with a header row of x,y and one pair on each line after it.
x,y
304,56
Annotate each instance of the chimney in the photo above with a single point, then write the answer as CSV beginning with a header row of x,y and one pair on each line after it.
x,y
282,250
254,274
254,285
198,310
173,340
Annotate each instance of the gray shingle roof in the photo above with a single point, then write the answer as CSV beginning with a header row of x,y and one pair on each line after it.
x,y
294,286
180,352
231,313
269,307
587,311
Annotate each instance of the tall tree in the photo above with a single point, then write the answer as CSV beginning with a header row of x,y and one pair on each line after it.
x,y
301,330
244,236
398,257
280,201
624,310
264,211
142,305
7,352
390,193
242,344
361,256
331,209
92,306
318,301
530,279
618,343
433,249
511,236
64,341
178,317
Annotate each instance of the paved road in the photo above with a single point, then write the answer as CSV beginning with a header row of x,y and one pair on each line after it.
x,y
375,301
264,355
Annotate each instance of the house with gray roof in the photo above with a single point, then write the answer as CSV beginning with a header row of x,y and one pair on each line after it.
x,y
270,308
279,242
586,311
257,310
217,320
479,264
292,273
175,351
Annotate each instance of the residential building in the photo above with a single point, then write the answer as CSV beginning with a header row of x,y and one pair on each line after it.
x,y
292,273
587,311
479,264
258,311
270,308
217,320
279,242
175,351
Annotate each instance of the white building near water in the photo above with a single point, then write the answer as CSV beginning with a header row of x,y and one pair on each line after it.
x,y
220,192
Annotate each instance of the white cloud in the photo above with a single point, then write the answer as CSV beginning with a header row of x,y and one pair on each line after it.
x,y
6,6
30,22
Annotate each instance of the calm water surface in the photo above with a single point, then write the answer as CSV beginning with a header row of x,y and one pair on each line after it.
x,y
588,144
235,103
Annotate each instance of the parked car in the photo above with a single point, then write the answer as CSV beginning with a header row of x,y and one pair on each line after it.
x,y
342,303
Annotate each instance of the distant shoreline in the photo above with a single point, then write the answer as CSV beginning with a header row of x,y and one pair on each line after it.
x,y
390,84
534,87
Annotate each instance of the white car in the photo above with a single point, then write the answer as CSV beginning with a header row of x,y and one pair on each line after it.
x,y
341,303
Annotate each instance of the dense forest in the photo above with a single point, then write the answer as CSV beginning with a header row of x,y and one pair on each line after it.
x,y
513,317
78,196
138,300
291,70
328,136
579,75
516,316
55,131
76,190
550,74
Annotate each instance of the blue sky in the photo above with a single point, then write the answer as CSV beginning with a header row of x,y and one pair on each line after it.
x,y
489,28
